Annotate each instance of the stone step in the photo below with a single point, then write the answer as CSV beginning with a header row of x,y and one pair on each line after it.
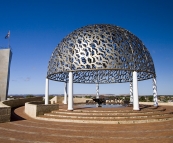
x,y
85,112
142,107
114,111
109,115
89,116
107,121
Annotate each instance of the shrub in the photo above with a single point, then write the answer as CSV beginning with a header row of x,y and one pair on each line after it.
x,y
30,95
88,96
150,98
142,99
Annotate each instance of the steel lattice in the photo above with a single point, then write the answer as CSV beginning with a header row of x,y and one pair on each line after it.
x,y
100,54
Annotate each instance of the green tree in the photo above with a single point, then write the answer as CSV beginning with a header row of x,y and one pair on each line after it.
x,y
142,99
166,98
51,96
150,98
89,96
127,98
29,95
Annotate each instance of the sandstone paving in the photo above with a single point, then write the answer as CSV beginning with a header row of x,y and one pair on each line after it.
x,y
30,130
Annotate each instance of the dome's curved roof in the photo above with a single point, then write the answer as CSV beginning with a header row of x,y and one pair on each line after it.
x,y
100,54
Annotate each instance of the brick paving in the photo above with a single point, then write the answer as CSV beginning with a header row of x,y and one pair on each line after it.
x,y
24,129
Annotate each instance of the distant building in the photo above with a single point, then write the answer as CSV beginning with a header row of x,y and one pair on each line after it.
x,y
5,60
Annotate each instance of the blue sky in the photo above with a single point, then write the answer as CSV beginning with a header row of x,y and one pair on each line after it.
x,y
37,26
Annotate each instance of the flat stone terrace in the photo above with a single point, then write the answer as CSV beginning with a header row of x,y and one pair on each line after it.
x,y
27,130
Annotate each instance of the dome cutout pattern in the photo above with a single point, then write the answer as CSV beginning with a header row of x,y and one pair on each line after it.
x,y
100,54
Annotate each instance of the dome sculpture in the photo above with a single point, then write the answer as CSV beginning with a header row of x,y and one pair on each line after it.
x,y
100,53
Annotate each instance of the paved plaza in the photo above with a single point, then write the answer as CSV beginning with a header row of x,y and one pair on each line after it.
x,y
27,130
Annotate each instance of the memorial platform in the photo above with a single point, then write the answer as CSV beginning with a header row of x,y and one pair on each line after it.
x,y
25,129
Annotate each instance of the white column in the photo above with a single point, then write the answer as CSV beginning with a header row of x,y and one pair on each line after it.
x,y
65,93
131,92
155,92
97,90
70,92
135,92
47,92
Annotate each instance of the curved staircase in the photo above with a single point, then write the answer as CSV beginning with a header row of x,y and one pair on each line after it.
x,y
110,115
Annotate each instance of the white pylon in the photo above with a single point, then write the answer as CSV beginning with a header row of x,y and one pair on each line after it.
x,y
47,92
155,92
65,93
97,90
97,86
70,92
131,92
135,92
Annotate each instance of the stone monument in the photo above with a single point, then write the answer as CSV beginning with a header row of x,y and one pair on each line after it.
x,y
5,60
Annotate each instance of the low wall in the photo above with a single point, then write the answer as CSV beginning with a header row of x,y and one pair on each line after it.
x,y
160,103
21,101
57,99
5,113
80,100
5,107
34,109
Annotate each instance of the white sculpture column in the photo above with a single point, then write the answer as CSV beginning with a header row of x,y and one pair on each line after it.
x,y
70,92
155,92
65,93
97,90
131,92
47,92
97,86
135,92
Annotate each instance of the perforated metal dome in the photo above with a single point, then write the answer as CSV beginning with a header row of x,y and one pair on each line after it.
x,y
100,53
